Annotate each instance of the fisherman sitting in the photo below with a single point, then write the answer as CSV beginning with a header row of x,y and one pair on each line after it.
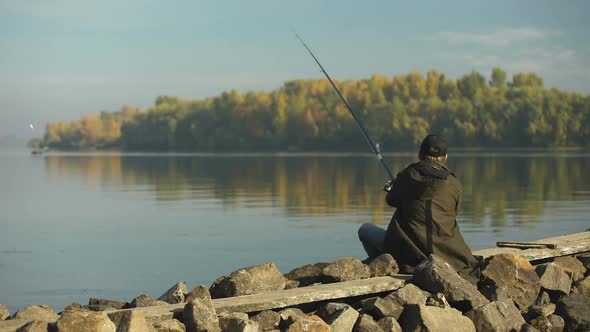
x,y
427,198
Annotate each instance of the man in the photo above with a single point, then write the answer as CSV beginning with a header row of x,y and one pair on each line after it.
x,y
428,198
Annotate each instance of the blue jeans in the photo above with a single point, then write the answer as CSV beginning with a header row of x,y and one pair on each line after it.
x,y
372,237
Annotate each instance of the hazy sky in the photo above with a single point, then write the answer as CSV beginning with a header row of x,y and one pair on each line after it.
x,y
63,58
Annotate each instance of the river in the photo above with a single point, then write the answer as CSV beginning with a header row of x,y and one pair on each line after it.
x,y
114,225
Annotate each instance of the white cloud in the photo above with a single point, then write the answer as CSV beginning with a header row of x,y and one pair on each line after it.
x,y
501,37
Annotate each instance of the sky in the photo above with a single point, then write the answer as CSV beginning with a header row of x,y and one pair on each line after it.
x,y
61,59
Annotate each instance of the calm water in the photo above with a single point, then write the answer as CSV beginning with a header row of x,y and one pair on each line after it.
x,y
109,225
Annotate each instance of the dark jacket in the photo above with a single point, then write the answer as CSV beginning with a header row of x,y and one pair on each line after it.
x,y
428,198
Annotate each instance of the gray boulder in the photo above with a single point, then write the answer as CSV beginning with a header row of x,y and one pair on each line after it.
x,y
437,276
4,313
553,278
382,307
37,312
345,269
130,321
110,303
340,316
557,323
267,320
382,265
250,280
516,275
200,316
307,274
35,326
83,320
237,322
433,319
366,323
198,292
169,325
175,294
575,309
409,294
389,324
145,301
496,316
571,266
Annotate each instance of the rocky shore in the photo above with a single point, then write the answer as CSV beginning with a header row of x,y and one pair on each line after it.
x,y
512,295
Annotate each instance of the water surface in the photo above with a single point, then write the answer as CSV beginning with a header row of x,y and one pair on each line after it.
x,y
118,225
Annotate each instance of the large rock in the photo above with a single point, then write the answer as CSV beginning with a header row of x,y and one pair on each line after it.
x,y
110,303
409,294
583,286
130,321
540,310
553,278
437,276
571,266
306,324
237,322
516,275
557,323
575,310
433,319
169,325
340,316
389,324
4,313
267,320
82,320
541,323
37,312
34,326
345,269
307,274
145,301
496,316
366,323
175,294
438,300
382,307
198,292
200,316
250,280
382,265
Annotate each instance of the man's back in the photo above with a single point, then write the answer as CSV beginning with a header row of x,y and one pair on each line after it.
x,y
428,198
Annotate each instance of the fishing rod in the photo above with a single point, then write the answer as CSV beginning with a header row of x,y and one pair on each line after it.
x,y
356,119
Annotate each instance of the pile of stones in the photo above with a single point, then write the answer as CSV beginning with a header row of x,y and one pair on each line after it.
x,y
511,295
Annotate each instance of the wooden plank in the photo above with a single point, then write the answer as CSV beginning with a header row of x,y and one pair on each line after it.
x,y
288,297
564,245
525,245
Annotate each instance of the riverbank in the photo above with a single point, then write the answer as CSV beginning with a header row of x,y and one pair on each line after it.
x,y
552,294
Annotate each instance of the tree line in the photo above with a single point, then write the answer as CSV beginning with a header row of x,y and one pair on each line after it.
x,y
308,115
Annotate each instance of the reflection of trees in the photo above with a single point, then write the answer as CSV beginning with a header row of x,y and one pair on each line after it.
x,y
497,188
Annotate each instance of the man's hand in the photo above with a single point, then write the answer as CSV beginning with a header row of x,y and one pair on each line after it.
x,y
388,185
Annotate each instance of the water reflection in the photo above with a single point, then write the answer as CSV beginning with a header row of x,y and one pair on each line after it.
x,y
497,188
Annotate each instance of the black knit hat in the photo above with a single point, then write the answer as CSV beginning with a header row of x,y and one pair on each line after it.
x,y
434,145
